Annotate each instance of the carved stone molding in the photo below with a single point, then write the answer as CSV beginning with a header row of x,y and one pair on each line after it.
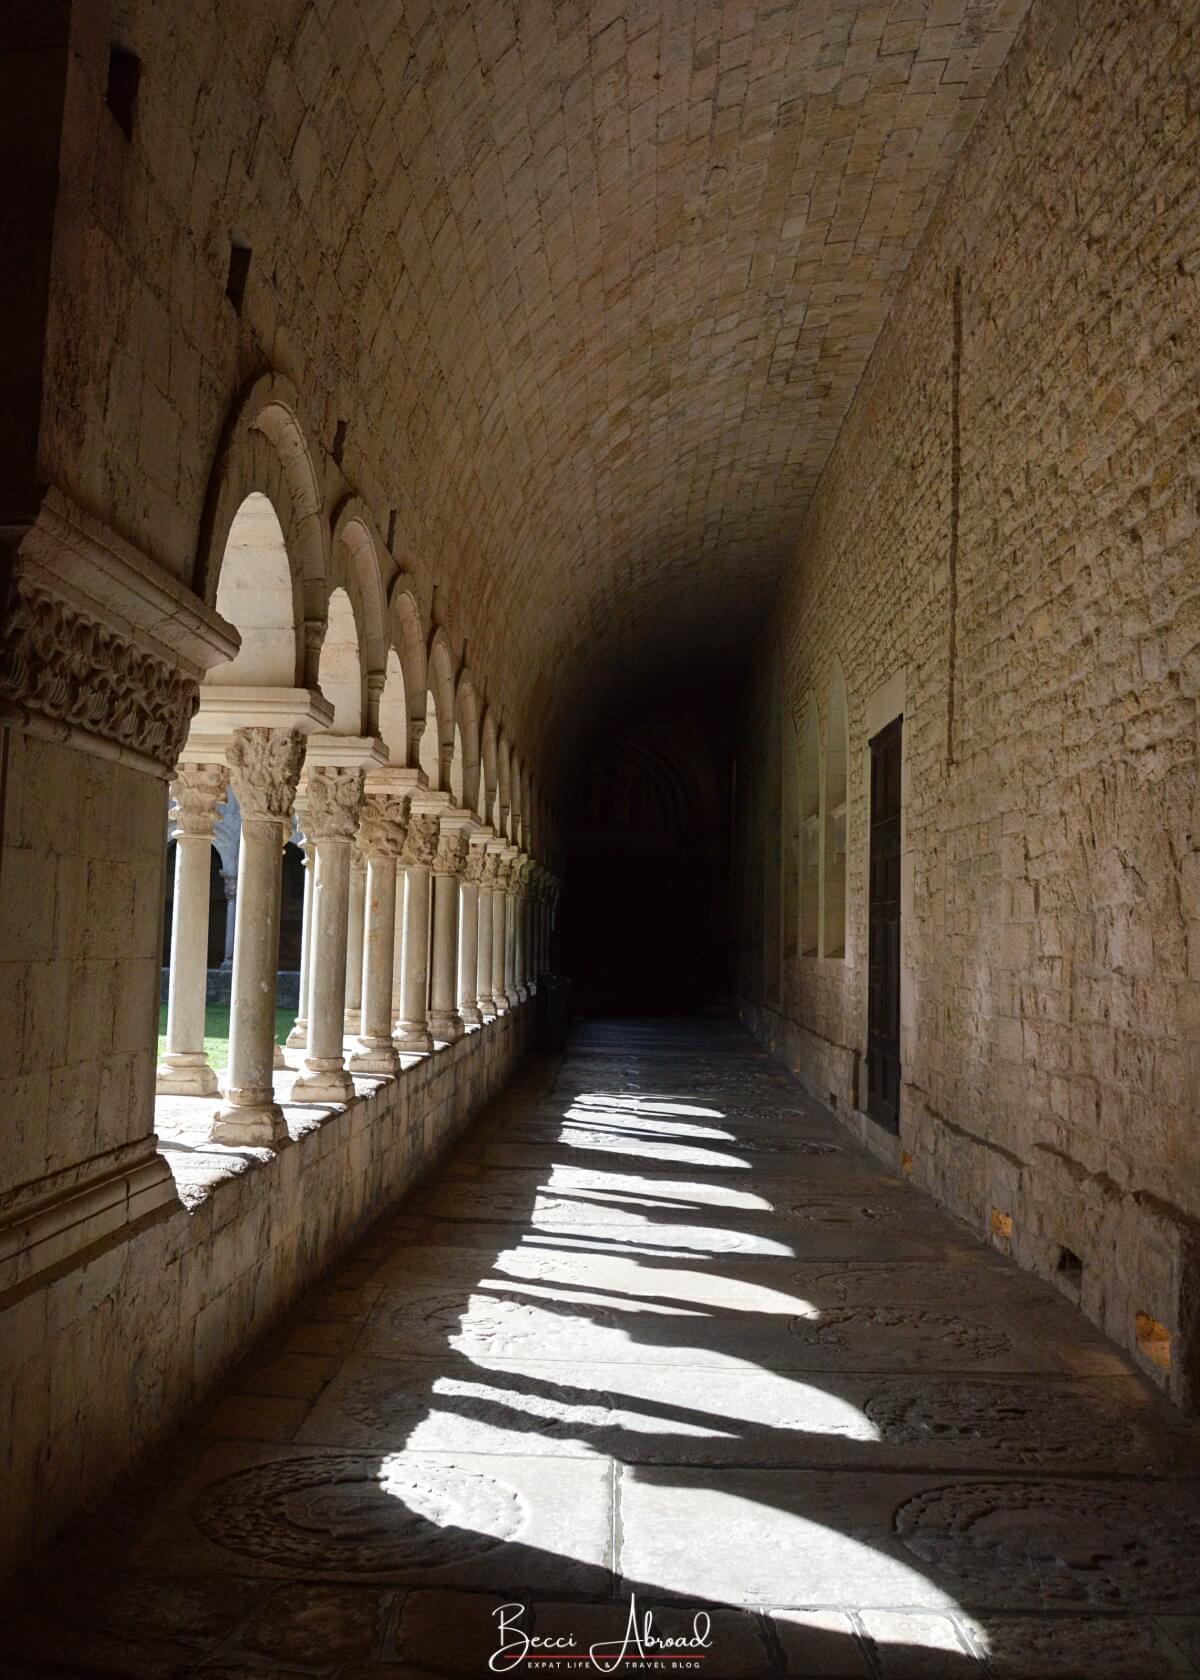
x,y
420,845
334,798
264,768
99,648
196,791
383,825
490,870
66,674
473,872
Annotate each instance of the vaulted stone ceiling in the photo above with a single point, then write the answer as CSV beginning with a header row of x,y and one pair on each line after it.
x,y
617,269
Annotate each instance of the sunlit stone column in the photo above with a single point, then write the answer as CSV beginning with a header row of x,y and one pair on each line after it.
x,y
500,908
333,795
383,829
184,1071
468,936
412,1029
484,999
297,1039
450,860
354,938
264,767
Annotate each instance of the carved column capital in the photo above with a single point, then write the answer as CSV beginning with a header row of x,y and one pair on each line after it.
x,y
473,873
196,791
421,841
383,826
489,870
332,798
451,856
264,768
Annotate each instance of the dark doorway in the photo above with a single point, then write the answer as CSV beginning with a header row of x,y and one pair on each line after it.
x,y
883,989
646,912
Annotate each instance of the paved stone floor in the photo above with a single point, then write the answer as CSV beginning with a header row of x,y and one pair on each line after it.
x,y
655,1329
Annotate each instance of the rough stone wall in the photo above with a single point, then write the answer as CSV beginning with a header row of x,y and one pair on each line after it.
x,y
1009,521
98,1363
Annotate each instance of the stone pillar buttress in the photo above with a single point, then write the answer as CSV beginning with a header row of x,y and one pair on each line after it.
x,y
500,957
334,795
483,967
355,935
264,767
412,1029
445,1023
468,937
185,1071
383,830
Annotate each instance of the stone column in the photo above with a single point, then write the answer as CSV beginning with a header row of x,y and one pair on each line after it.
x,y
354,939
264,767
520,903
516,992
412,1029
334,796
297,1039
468,938
184,1071
383,830
500,903
483,965
445,1023
229,882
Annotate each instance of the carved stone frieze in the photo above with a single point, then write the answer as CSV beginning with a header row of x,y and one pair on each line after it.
x,y
264,768
59,667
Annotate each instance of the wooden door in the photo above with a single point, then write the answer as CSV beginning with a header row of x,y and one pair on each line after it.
x,y
883,991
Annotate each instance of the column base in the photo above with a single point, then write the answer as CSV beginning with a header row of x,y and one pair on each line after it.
x,y
514,997
323,1084
352,1021
412,1038
185,1073
254,1125
501,1004
375,1055
277,1060
448,1028
297,1039
470,1015
522,994
487,1010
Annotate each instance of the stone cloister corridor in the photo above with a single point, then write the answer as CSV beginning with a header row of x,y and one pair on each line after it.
x,y
655,1329
599,836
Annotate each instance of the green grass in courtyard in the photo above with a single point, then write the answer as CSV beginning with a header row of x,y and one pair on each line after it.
x,y
216,1031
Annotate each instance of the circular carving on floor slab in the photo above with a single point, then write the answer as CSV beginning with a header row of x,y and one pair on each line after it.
x,y
553,1410
354,1514
886,1335
1013,1423
1052,1543
868,1285
843,1211
444,1319
789,1146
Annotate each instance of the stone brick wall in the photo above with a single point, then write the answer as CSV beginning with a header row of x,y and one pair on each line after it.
x,y
1008,531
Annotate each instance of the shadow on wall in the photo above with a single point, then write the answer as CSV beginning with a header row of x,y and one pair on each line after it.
x,y
646,914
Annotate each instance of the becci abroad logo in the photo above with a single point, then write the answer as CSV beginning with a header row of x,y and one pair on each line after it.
x,y
639,1650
